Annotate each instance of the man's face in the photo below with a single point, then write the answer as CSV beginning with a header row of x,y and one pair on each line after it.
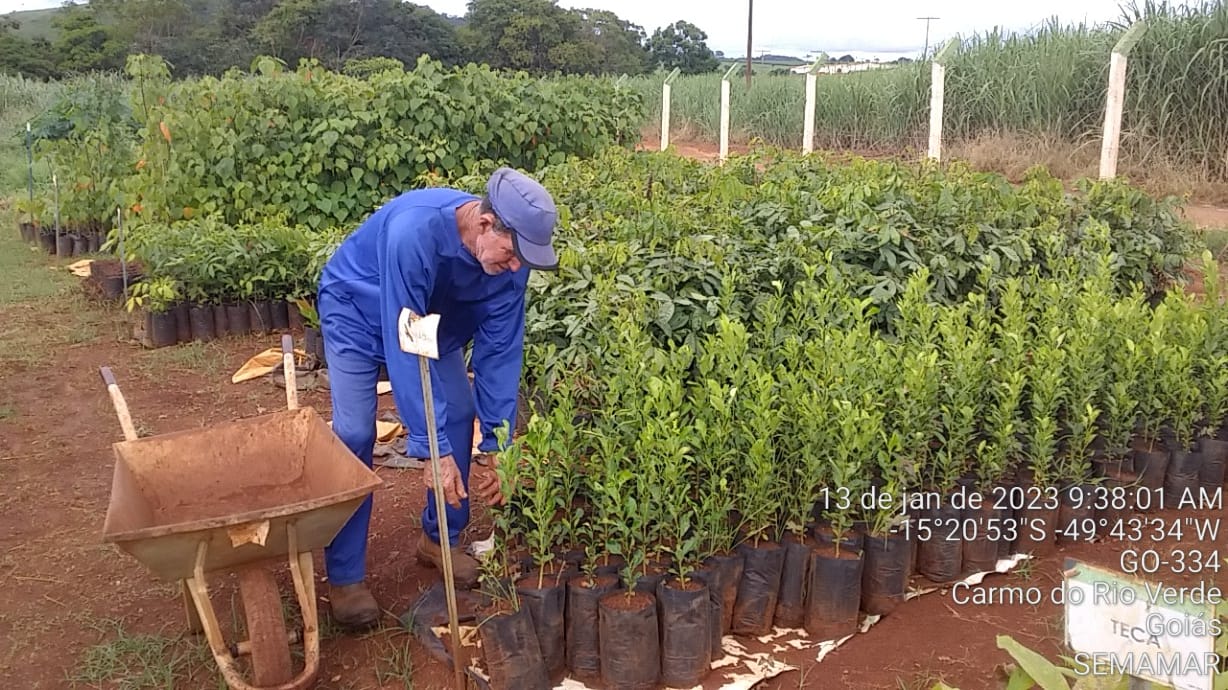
x,y
494,249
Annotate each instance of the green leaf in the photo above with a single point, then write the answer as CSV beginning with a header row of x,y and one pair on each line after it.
x,y
1046,674
1019,680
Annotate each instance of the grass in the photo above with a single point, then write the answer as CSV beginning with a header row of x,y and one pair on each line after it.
x,y
7,412
921,680
1217,243
1049,84
395,664
35,23
24,272
41,303
1026,569
206,359
21,100
125,660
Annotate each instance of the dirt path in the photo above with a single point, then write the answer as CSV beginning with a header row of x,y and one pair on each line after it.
x,y
75,608
1207,216
74,612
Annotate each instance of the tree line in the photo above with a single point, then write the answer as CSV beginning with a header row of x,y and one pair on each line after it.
x,y
207,37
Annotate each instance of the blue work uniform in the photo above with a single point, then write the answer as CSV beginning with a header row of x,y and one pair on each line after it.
x,y
408,254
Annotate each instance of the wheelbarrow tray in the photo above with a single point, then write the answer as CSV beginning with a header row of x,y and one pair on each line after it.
x,y
236,486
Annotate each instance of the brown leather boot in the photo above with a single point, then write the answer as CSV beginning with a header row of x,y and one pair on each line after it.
x,y
464,567
353,606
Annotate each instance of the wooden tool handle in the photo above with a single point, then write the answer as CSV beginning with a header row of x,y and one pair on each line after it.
x,y
287,366
121,406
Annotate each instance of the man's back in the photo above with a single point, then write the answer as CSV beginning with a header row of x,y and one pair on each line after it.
x,y
420,226
430,211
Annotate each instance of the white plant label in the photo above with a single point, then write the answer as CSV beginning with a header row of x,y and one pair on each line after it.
x,y
1121,626
418,334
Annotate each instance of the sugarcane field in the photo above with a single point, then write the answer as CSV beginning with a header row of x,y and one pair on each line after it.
x,y
514,345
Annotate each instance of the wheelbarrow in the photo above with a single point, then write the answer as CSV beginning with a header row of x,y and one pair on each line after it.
x,y
238,497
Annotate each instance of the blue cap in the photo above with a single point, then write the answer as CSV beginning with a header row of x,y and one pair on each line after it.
x,y
525,207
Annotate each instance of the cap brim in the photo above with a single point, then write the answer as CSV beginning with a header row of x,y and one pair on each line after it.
x,y
539,257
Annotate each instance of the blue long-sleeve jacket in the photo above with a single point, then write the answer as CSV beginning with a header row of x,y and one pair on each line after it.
x,y
409,254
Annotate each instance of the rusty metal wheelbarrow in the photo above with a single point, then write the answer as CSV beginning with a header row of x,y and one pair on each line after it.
x,y
238,497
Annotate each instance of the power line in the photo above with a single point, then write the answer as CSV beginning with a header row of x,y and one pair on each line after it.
x,y
925,52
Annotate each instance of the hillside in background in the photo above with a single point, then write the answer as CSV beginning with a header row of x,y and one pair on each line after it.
x,y
769,59
34,24
207,37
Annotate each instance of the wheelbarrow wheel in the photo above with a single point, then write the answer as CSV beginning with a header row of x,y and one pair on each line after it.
x,y
266,628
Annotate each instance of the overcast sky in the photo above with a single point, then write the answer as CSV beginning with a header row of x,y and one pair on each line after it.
x,y
887,28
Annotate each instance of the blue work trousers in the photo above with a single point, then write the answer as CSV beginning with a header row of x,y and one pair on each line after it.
x,y
355,352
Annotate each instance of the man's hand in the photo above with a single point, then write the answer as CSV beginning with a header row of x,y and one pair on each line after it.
x,y
450,478
487,485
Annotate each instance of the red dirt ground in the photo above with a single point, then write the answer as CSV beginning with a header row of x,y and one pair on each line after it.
x,y
62,584
62,581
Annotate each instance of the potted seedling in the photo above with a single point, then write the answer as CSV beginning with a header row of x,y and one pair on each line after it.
x,y
1182,395
566,449
854,437
1213,378
719,373
683,605
963,364
832,593
313,342
543,590
281,249
33,210
756,422
1039,519
1085,351
648,491
1151,453
609,484
998,451
628,632
249,283
1125,324
802,440
720,564
510,648
155,298
266,269
915,403
200,311
887,547
584,591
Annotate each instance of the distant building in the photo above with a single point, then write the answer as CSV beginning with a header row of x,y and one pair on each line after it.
x,y
843,67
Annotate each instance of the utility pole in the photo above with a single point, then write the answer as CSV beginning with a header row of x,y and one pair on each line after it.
x,y
750,15
925,52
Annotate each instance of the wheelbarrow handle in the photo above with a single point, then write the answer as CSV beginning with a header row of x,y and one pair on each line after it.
x,y
287,366
121,406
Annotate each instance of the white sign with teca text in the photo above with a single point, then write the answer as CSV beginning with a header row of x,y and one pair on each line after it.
x,y
1120,626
